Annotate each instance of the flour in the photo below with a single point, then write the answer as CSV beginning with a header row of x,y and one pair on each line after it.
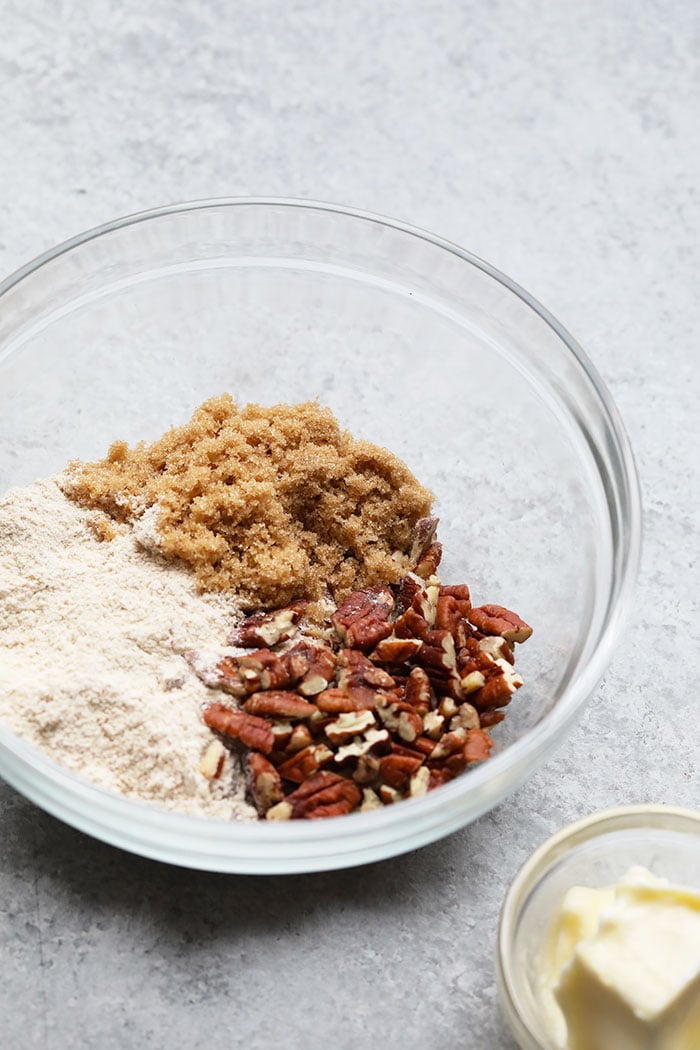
x,y
92,637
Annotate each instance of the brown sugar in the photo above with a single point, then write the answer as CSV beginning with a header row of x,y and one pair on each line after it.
x,y
272,504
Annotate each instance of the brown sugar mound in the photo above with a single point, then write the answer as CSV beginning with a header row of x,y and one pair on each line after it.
x,y
270,503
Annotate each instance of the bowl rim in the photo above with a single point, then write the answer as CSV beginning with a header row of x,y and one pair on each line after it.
x,y
594,825
513,760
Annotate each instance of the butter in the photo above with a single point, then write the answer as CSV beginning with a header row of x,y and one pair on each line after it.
x,y
621,967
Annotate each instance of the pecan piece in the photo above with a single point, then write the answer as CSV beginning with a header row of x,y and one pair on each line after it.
x,y
367,768
418,692
423,536
254,732
373,740
396,650
337,702
300,737
264,669
434,724
400,718
274,703
264,782
329,800
496,647
212,763
490,718
429,561
498,688
449,744
359,677
319,674
395,770
363,618
478,746
305,763
411,624
348,725
419,782
494,619
266,629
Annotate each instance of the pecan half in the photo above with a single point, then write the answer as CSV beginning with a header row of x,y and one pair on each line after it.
x,y
494,619
254,732
278,704
363,618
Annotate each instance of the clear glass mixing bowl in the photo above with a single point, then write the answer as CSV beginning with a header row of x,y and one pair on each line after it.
x,y
415,344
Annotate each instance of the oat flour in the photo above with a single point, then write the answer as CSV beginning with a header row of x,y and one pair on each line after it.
x,y
91,667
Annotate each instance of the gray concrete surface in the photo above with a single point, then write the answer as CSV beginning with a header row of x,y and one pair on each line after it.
x,y
562,143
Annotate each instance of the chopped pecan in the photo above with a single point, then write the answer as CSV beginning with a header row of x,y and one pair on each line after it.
x,y
494,619
319,797
472,681
254,732
299,738
433,724
490,718
400,718
497,648
263,670
429,561
370,800
449,744
373,740
423,536
498,689
438,651
212,763
419,782
282,811
305,763
319,674
265,629
467,717
359,677
277,704
411,624
226,676
396,650
448,707
460,591
348,725
418,692
408,588
395,770
363,618
367,768
264,782
389,794
338,701
478,746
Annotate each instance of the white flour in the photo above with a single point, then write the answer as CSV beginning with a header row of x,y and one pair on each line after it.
x,y
91,671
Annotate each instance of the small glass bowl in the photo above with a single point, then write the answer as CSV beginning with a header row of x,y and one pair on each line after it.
x,y
595,851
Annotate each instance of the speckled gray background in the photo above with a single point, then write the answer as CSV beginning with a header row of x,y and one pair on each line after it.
x,y
562,143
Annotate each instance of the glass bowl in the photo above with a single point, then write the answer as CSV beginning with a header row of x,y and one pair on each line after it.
x,y
415,344
596,851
